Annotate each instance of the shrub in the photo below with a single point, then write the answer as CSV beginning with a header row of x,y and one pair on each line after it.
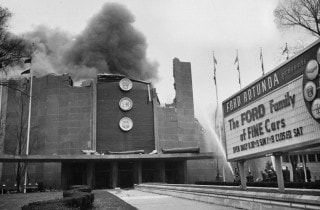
x,y
56,204
78,197
81,188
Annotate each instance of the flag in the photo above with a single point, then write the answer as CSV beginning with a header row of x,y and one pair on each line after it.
x,y
28,60
238,67
237,59
214,69
261,59
28,70
237,62
25,72
286,50
214,59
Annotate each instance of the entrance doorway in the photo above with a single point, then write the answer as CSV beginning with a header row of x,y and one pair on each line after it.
x,y
77,175
125,174
150,172
172,170
103,176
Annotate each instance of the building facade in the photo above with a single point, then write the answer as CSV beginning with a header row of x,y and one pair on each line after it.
x,y
117,119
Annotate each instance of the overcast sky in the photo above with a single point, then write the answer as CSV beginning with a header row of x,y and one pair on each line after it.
x,y
187,29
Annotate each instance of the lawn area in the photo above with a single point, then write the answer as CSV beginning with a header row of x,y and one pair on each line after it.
x,y
103,200
16,200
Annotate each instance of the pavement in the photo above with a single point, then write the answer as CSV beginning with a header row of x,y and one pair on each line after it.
x,y
138,199
146,201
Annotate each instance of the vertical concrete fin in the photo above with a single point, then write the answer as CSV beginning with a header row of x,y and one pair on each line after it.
x,y
94,114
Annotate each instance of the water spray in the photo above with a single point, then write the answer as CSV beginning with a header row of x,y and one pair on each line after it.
x,y
218,140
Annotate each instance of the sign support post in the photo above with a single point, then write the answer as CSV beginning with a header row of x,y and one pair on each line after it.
x,y
304,168
242,176
280,181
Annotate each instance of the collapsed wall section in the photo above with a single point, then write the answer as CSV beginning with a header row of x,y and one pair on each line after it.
x,y
177,125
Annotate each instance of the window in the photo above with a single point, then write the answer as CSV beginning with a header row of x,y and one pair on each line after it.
x,y
312,158
285,159
318,157
294,158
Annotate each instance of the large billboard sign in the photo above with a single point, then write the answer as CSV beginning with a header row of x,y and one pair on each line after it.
x,y
280,112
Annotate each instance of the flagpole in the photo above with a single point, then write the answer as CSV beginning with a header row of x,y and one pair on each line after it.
x,y
28,129
217,100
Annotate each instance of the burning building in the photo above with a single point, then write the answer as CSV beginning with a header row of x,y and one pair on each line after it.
x,y
118,121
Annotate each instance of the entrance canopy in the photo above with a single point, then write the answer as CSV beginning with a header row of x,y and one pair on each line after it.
x,y
307,151
98,158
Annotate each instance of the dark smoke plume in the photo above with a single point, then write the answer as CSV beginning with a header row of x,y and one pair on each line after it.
x,y
109,44
50,45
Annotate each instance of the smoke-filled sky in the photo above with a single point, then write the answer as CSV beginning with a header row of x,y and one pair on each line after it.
x,y
109,43
141,38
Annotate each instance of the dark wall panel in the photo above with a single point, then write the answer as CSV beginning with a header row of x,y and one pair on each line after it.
x,y
109,135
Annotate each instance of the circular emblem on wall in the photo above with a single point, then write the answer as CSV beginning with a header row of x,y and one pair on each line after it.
x,y
312,69
125,104
315,108
311,84
309,91
125,84
126,124
318,55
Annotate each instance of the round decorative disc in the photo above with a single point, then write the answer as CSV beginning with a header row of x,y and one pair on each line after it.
x,y
126,124
312,69
125,104
125,84
318,55
315,108
309,91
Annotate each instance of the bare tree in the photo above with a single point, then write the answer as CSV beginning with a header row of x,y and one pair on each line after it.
x,y
13,49
299,13
17,124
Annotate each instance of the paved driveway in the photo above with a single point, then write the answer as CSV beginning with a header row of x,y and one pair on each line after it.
x,y
147,201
